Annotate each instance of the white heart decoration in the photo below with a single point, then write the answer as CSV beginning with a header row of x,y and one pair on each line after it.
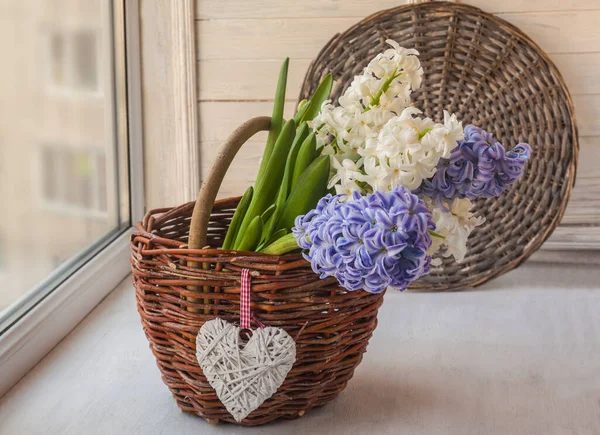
x,y
244,376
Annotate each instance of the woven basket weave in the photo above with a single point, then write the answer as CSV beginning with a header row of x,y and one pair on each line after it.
x,y
182,280
492,75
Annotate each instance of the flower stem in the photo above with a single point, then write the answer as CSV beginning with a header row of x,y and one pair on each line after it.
x,y
384,87
424,132
434,234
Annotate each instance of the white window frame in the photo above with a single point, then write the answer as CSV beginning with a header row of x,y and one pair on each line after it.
x,y
33,335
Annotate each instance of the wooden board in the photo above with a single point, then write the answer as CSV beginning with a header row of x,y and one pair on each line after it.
x,y
219,119
219,9
220,80
302,38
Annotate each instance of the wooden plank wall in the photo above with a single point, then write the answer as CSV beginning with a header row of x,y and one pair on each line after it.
x,y
241,44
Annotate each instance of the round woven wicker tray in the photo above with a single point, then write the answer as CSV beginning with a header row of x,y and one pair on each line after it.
x,y
492,75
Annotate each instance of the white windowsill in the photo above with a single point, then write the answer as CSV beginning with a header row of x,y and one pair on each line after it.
x,y
49,320
520,357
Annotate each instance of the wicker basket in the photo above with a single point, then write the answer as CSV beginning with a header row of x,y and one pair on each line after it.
x,y
490,74
182,282
480,67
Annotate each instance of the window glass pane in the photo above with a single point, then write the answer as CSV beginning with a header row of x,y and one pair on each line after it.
x,y
49,169
59,145
57,58
85,66
100,179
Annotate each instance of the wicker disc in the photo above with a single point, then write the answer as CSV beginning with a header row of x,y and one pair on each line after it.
x,y
492,75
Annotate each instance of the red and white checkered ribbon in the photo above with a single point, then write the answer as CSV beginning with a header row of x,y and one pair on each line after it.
x,y
245,313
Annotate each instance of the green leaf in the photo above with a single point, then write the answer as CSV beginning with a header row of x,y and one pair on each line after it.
x,y
278,234
276,118
282,245
237,219
305,195
251,237
286,183
306,155
266,215
321,94
302,108
266,188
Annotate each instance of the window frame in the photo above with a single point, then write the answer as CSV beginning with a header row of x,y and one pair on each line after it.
x,y
34,334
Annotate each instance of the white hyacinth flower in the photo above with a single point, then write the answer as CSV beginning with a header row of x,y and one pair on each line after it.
x,y
373,126
397,61
345,172
454,226
375,175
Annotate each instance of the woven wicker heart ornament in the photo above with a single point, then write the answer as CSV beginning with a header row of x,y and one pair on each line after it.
x,y
244,376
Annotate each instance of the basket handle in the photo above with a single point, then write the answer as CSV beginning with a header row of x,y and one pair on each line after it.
x,y
210,187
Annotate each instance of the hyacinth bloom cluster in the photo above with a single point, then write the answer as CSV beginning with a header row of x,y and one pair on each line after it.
x,y
375,139
375,233
369,242
478,167
372,99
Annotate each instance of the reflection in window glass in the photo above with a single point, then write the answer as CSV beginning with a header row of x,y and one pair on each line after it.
x,y
85,66
73,178
73,59
100,169
49,169
58,154
57,59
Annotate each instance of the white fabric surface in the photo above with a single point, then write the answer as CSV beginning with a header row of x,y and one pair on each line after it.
x,y
519,356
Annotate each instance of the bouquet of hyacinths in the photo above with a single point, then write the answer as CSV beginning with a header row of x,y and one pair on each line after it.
x,y
370,189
